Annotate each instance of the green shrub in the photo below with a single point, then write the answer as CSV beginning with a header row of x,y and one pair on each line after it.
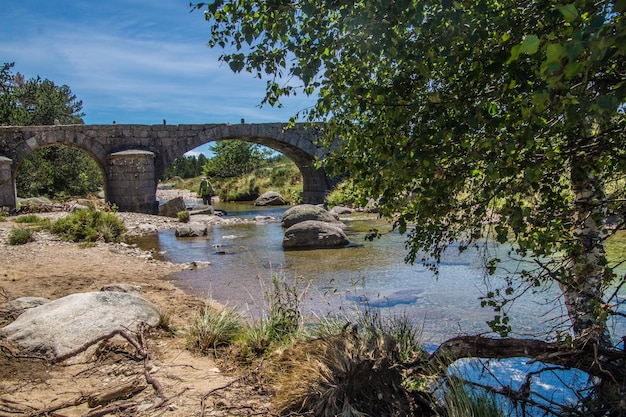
x,y
213,328
88,225
20,236
183,216
341,375
28,218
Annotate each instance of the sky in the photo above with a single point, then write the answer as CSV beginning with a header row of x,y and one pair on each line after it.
x,y
133,61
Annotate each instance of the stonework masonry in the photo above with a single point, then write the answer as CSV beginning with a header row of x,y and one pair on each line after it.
x,y
133,157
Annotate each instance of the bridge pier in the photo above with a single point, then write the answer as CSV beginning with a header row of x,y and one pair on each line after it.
x,y
131,181
7,185
313,197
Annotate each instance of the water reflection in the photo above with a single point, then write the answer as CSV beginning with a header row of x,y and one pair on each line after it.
x,y
244,257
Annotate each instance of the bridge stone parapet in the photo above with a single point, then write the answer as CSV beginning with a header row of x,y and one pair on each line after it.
x,y
133,157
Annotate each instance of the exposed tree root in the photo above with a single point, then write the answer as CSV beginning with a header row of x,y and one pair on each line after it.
x,y
101,398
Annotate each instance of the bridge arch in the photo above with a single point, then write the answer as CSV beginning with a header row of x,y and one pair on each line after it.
x,y
298,145
94,169
133,157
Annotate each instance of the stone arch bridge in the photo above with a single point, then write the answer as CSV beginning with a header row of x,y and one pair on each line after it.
x,y
133,157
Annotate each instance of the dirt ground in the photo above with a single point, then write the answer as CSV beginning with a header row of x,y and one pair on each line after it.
x,y
171,382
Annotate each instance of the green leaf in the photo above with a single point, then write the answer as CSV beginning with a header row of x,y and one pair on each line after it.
x,y
606,102
554,52
515,51
530,45
569,11
573,69
434,98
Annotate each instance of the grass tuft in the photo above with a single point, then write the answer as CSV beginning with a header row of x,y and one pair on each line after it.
x,y
28,218
343,375
183,216
461,401
20,236
213,328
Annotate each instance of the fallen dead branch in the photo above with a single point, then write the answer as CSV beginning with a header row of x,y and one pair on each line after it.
x,y
110,410
121,332
589,358
116,393
50,410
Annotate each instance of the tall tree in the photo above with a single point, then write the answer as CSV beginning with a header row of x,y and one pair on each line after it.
x,y
51,171
36,101
186,167
233,158
472,119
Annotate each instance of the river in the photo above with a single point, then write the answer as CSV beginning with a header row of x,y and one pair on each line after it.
x,y
337,282
244,257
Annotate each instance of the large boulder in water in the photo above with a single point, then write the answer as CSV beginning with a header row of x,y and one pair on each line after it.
x,y
304,212
61,326
270,198
192,229
312,234
172,207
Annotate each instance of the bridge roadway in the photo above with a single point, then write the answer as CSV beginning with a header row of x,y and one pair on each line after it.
x,y
133,157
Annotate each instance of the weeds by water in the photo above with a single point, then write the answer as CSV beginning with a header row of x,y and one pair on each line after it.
x,y
213,328
88,225
334,367
462,401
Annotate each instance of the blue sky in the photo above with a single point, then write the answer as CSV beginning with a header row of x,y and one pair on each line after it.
x,y
133,61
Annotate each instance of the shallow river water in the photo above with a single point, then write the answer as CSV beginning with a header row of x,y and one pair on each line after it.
x,y
244,257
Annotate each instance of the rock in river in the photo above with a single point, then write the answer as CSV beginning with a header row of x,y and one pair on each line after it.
x,y
270,198
303,212
311,234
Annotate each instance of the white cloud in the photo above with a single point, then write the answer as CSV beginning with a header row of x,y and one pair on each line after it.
x,y
133,68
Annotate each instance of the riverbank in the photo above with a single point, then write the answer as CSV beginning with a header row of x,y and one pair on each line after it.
x,y
48,267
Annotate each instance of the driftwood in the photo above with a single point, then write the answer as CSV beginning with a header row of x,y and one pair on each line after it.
x,y
116,393
110,410
121,332
15,407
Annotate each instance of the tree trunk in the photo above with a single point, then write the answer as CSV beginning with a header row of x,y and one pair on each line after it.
x,y
587,276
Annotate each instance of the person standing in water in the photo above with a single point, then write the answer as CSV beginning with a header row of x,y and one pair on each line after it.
x,y
205,191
